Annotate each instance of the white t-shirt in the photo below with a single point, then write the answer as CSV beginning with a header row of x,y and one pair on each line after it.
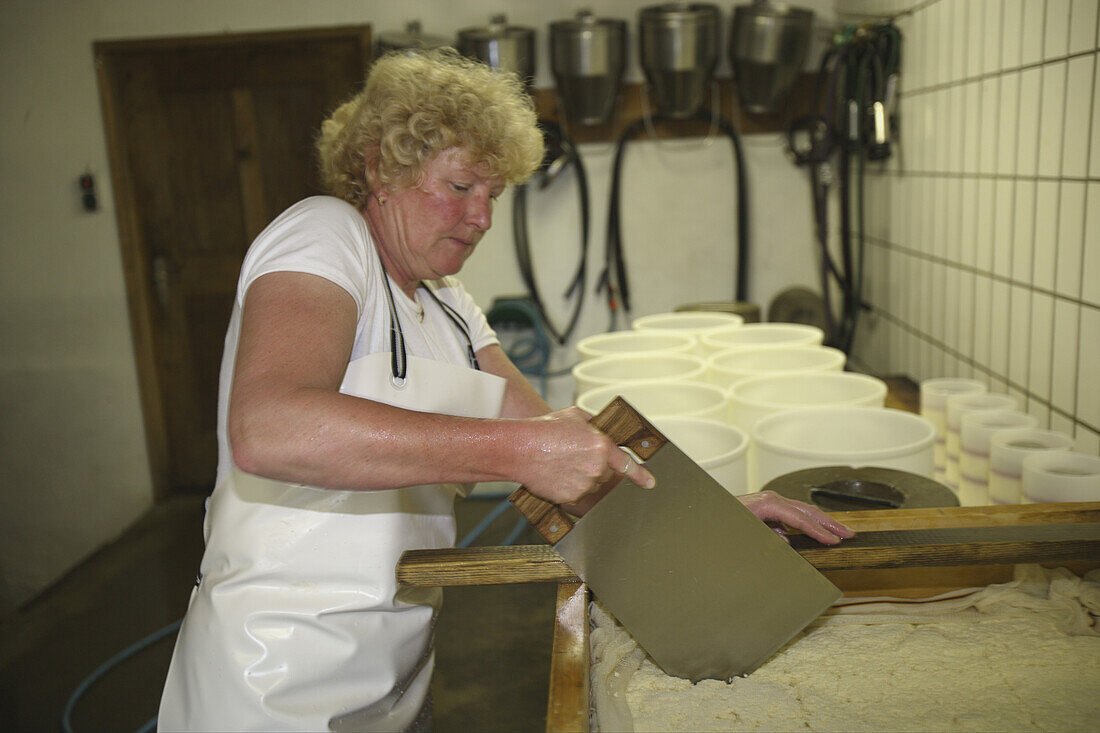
x,y
328,237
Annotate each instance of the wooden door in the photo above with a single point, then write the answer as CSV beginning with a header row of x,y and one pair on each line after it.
x,y
209,139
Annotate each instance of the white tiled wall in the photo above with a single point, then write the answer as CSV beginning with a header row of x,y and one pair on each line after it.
x,y
984,227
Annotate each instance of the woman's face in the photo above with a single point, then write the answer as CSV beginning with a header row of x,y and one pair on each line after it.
x,y
428,230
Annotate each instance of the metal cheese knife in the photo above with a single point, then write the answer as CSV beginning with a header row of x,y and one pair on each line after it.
x,y
707,589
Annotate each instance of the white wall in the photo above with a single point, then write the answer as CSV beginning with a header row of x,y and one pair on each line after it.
x,y
73,463
985,228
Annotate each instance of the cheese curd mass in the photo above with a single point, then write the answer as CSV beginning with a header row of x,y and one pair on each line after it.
x,y
1020,656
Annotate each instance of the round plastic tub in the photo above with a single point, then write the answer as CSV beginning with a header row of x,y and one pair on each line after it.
x,y
976,433
1007,451
719,448
635,342
761,334
655,399
607,370
727,368
757,397
850,436
933,406
1060,476
693,323
957,406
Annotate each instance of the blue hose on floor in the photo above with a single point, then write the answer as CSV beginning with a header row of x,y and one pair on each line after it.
x,y
521,524
484,524
122,656
489,518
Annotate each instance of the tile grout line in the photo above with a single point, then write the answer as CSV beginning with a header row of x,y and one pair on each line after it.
x,y
1058,231
985,369
932,88
1089,152
886,244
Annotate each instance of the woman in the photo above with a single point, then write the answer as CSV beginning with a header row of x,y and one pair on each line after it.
x,y
361,389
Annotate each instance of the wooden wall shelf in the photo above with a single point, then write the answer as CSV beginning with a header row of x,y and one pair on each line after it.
x,y
633,105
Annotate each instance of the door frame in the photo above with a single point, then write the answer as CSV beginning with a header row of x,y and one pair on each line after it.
x,y
137,269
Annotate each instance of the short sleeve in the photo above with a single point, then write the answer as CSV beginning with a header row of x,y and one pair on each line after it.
x,y
322,236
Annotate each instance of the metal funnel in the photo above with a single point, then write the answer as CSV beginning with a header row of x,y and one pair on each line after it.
x,y
502,46
768,45
679,49
588,56
412,38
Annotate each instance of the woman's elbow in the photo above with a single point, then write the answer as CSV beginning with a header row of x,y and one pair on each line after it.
x,y
250,450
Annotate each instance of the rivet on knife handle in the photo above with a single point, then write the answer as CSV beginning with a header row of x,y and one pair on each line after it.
x,y
625,425
547,519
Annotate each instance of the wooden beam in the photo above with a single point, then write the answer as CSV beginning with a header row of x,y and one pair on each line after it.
x,y
483,566
903,548
567,708
937,537
956,546
635,102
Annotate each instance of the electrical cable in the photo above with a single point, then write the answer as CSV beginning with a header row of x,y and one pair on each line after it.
x,y
613,280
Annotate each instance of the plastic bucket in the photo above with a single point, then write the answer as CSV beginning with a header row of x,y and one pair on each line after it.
x,y
693,323
607,370
1060,476
751,335
656,399
631,342
727,368
757,397
851,436
719,448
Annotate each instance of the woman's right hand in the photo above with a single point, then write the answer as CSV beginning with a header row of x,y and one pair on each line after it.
x,y
566,459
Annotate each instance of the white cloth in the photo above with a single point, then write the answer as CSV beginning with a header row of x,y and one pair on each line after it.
x,y
297,622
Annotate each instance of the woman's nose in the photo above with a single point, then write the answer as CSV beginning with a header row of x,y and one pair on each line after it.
x,y
480,212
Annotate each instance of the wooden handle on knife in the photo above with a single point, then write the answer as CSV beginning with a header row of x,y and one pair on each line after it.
x,y
618,421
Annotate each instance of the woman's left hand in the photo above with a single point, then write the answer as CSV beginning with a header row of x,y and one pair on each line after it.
x,y
783,514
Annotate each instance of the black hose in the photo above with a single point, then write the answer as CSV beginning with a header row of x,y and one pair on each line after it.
x,y
855,72
613,280
558,145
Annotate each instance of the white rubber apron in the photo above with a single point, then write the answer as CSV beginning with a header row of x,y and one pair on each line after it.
x,y
296,622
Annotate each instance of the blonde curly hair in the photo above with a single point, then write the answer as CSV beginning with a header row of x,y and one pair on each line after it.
x,y
416,105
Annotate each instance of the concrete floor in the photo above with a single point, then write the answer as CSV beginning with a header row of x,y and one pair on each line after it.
x,y
493,642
